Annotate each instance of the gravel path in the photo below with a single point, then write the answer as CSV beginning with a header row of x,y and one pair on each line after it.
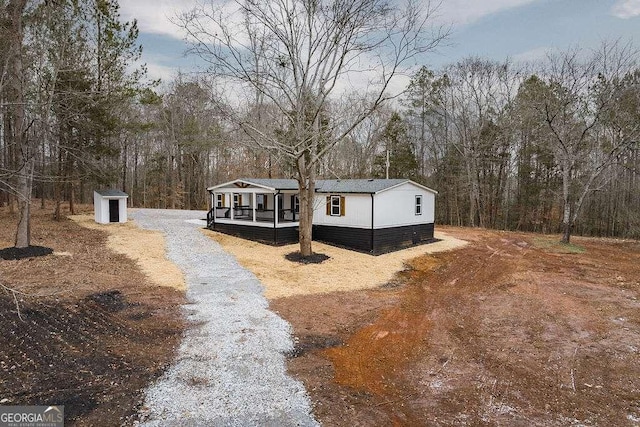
x,y
230,367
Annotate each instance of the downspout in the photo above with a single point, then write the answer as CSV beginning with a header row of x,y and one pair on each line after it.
x,y
372,222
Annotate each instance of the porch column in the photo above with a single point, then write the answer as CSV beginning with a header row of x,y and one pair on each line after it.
x,y
275,210
231,205
253,203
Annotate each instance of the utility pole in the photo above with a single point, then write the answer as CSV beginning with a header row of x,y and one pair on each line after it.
x,y
388,164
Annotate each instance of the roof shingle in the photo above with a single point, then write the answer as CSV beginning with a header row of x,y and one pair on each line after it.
x,y
112,193
369,186
362,186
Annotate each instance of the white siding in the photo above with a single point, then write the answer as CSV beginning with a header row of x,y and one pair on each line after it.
x,y
101,208
396,207
357,211
122,205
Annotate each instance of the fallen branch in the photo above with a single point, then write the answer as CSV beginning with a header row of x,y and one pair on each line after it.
x,y
573,359
14,293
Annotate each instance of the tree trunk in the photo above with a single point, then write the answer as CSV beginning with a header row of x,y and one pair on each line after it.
x,y
43,171
474,190
25,182
566,226
566,214
306,188
72,199
57,185
19,138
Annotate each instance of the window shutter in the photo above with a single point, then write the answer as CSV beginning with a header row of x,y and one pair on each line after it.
x,y
342,208
328,205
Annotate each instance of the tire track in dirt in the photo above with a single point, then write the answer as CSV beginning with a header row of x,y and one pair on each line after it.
x,y
376,357
514,329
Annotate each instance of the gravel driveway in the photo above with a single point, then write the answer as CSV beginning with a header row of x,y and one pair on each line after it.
x,y
230,367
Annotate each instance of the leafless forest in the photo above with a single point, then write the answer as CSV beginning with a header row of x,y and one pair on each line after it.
x,y
507,145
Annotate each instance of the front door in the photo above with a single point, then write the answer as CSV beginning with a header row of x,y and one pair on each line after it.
x,y
114,211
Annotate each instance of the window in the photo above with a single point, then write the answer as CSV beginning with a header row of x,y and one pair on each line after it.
x,y
220,200
335,205
418,205
260,201
237,200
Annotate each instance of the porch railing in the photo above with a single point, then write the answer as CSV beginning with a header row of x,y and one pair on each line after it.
x,y
288,215
245,213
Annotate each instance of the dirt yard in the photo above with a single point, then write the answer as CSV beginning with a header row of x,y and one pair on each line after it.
x,y
90,330
511,329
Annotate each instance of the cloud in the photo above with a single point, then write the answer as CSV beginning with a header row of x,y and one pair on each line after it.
x,y
162,17
156,16
463,12
626,9
159,71
533,55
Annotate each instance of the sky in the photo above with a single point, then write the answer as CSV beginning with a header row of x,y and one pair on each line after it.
x,y
523,30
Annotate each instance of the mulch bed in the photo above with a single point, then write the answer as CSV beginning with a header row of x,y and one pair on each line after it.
x,y
312,259
22,253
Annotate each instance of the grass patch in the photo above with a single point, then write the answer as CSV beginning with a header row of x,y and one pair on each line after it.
x,y
550,244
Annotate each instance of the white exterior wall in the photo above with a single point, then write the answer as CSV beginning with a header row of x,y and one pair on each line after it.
x,y
396,207
101,208
357,213
122,204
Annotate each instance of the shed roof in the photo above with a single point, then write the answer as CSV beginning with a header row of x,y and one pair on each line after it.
x,y
112,193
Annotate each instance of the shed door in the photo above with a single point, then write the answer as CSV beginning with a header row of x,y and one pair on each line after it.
x,y
114,211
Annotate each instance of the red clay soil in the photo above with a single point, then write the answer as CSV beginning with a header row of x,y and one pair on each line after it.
x,y
505,331
89,331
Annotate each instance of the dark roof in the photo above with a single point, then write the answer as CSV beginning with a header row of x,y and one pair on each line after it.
x,y
112,193
370,186
362,186
277,184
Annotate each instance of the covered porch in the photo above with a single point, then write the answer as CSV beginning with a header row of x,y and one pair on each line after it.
x,y
258,209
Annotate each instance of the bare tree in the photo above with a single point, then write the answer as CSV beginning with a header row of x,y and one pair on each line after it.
x,y
582,92
479,93
296,54
15,120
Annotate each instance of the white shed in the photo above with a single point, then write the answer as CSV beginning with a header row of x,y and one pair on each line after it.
x,y
110,206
